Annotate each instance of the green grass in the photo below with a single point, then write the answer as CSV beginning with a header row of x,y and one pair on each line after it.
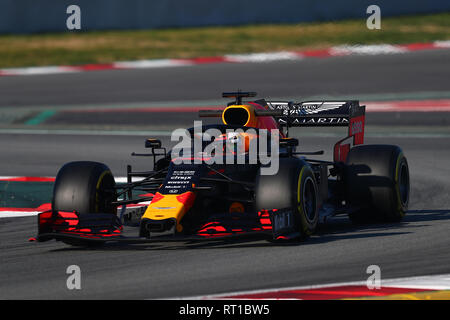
x,y
73,48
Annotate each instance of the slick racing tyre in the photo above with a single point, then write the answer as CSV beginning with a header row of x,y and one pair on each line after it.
x,y
377,182
84,187
293,187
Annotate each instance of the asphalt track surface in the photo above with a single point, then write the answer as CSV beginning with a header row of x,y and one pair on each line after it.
x,y
338,252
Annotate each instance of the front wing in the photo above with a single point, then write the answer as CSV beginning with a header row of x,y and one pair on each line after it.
x,y
74,228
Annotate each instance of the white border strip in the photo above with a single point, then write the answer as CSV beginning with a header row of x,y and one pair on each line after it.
x,y
342,50
18,214
29,212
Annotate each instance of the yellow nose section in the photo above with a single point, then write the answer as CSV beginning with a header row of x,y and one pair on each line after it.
x,y
169,206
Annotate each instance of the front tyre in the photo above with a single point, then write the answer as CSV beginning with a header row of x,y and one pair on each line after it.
x,y
307,201
84,187
293,187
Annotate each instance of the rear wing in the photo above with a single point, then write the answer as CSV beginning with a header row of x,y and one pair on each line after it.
x,y
324,114
343,113
317,113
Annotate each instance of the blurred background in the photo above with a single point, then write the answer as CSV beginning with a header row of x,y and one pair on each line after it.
x,y
36,33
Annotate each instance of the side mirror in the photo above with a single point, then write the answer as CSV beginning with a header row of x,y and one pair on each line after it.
x,y
153,143
288,142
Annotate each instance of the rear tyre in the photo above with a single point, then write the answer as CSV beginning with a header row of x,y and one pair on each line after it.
x,y
85,187
293,186
377,182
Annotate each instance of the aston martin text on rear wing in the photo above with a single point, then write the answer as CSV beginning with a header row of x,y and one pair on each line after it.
x,y
324,114
317,113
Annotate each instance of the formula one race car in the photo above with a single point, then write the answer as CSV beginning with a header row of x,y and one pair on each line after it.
x,y
244,176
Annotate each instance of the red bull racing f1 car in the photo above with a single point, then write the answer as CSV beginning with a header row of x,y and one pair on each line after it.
x,y
253,186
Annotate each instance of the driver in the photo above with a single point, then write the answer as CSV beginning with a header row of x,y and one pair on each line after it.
x,y
239,142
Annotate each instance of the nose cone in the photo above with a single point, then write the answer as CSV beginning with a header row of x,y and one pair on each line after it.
x,y
169,206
